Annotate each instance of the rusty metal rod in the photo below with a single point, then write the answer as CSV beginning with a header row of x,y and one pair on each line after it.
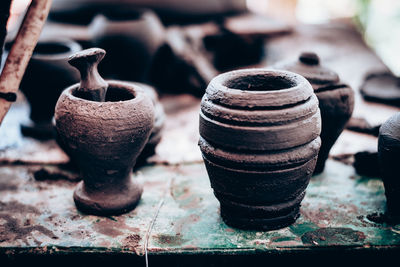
x,y
21,51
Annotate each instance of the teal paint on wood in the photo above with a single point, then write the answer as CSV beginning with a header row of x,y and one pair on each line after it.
x,y
40,216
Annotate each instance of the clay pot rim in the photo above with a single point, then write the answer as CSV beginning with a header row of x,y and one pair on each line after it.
x,y
72,46
142,14
218,91
137,92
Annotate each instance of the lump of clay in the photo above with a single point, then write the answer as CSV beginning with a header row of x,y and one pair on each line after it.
x,y
103,126
336,100
259,137
381,87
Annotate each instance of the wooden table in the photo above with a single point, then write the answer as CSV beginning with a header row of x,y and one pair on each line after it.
x,y
177,221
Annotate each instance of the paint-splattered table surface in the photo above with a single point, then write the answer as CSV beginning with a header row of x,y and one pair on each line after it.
x,y
178,215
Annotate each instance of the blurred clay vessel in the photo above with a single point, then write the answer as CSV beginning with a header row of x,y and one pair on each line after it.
x,y
336,100
389,156
47,75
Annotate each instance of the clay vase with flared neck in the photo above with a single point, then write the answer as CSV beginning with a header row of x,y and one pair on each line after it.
x,y
259,137
104,138
47,74
336,100
389,156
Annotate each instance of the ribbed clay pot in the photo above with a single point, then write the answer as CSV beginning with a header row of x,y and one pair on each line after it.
x,y
47,75
103,137
336,100
131,38
389,156
259,137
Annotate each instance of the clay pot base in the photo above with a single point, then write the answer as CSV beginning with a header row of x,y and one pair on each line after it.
x,y
265,218
41,131
262,224
106,204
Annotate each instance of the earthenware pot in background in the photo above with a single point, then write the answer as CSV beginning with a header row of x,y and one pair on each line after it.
x,y
389,156
47,74
104,138
336,100
131,37
172,11
259,137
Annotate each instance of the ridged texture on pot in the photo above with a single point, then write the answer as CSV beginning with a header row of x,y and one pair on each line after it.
x,y
389,155
104,139
259,139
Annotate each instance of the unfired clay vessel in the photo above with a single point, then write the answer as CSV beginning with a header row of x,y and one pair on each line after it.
x,y
259,139
131,37
336,100
47,74
159,120
103,138
389,156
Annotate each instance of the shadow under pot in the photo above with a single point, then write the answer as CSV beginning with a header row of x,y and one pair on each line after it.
x,y
336,100
259,137
105,139
47,75
389,155
131,37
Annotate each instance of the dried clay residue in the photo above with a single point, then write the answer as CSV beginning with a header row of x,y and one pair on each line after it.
x,y
13,229
333,236
132,242
112,228
173,240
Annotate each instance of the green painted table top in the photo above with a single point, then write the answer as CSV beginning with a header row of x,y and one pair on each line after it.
x,y
179,214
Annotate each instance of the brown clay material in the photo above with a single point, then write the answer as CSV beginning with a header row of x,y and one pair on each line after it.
x,y
389,155
366,163
159,121
361,125
259,137
181,64
47,74
131,38
336,100
381,87
105,139
92,86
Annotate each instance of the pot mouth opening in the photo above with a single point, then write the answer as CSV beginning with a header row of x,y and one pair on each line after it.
x,y
260,82
51,48
114,94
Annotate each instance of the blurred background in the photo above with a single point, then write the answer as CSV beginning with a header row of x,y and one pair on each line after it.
x,y
378,20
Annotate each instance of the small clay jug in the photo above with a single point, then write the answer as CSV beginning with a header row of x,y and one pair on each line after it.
x,y
259,137
389,156
131,37
47,74
103,126
336,100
